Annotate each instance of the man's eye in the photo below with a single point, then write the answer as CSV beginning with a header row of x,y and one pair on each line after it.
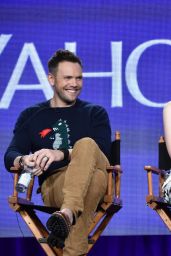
x,y
79,78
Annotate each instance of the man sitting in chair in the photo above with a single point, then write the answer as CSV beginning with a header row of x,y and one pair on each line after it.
x,y
66,142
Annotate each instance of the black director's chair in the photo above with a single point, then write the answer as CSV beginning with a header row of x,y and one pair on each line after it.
x,y
110,205
156,202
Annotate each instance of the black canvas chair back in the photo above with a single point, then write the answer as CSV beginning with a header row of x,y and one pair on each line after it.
x,y
163,156
115,150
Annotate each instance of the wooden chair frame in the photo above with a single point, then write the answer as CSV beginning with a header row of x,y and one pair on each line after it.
x,y
27,209
156,202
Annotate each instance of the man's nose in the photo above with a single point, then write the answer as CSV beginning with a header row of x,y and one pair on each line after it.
x,y
74,82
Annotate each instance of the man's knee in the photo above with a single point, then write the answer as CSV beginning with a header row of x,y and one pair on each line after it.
x,y
86,142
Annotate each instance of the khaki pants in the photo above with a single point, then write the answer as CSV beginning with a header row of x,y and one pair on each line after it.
x,y
80,186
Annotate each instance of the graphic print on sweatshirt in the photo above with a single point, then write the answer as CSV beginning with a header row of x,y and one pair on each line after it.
x,y
59,133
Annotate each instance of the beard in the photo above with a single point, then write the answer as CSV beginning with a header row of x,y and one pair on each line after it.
x,y
67,99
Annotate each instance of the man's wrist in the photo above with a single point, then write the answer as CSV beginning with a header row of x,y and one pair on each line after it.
x,y
21,163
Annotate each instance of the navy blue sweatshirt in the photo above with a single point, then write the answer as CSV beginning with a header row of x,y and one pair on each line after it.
x,y
42,126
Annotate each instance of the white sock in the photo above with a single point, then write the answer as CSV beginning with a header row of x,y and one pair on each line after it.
x,y
69,213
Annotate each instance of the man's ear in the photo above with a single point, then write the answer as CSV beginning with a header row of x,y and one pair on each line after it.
x,y
51,79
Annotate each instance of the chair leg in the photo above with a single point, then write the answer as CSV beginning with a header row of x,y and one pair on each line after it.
x,y
96,220
99,230
164,217
39,231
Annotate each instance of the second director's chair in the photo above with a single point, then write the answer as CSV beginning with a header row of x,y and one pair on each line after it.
x,y
110,205
156,201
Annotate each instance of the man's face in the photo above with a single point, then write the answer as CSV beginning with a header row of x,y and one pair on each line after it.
x,y
67,83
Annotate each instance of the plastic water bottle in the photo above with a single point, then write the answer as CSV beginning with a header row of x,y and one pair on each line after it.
x,y
23,181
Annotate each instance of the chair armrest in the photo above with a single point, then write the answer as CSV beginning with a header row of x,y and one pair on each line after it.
x,y
14,169
153,169
114,168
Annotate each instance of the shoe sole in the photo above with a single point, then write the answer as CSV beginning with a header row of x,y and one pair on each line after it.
x,y
58,225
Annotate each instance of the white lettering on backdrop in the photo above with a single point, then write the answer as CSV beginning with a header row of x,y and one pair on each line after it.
x,y
29,51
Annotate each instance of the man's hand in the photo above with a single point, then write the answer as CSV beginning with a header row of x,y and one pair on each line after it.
x,y
39,162
44,157
26,161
